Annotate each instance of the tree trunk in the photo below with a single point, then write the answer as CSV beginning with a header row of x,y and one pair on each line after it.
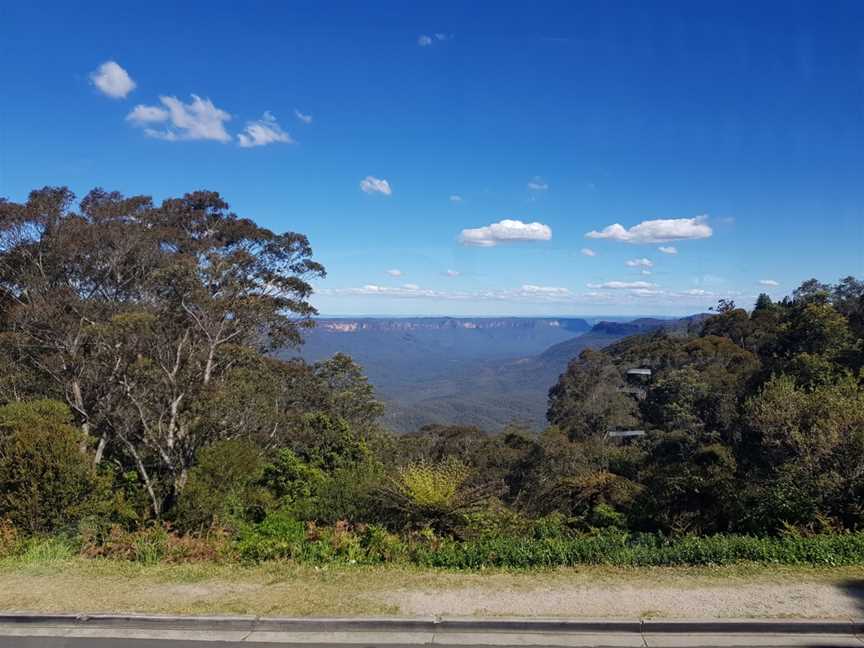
x,y
142,471
100,449
78,404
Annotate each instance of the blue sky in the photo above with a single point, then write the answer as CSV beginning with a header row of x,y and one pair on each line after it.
x,y
469,146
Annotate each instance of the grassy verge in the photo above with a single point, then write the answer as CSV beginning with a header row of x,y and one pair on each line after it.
x,y
56,582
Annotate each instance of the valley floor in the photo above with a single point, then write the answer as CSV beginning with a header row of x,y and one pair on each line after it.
x,y
282,589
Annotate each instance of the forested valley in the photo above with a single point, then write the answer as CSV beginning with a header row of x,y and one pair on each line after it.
x,y
147,414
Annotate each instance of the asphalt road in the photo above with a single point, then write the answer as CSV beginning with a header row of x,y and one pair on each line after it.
x,y
478,641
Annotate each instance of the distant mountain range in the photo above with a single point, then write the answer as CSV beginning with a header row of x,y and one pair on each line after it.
x,y
473,371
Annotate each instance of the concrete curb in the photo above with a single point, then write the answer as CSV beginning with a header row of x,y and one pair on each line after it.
x,y
460,625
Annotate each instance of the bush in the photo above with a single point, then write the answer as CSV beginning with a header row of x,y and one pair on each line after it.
x,y
278,536
294,483
10,539
351,493
155,544
223,487
437,495
47,483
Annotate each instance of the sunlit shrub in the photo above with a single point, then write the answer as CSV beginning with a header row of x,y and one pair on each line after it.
x,y
10,540
223,487
47,483
155,544
439,494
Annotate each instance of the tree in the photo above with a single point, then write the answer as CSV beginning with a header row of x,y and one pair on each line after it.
x,y
586,401
138,312
763,302
811,291
348,392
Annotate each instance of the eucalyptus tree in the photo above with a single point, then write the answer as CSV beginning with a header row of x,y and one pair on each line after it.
x,y
138,313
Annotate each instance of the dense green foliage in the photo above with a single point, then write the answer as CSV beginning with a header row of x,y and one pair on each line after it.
x,y
46,483
143,410
755,425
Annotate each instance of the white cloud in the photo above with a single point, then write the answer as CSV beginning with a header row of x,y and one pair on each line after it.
x,y
425,41
371,184
640,263
544,290
526,293
619,293
769,282
588,252
148,114
657,231
455,198
668,249
538,184
505,231
452,273
394,272
263,132
197,120
646,272
306,119
112,80
623,285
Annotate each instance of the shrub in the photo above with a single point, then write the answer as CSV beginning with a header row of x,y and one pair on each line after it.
x,y
439,494
223,487
10,539
351,493
294,482
381,546
496,521
47,483
278,536
155,544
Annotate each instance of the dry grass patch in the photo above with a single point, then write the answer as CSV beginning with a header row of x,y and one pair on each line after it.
x,y
283,589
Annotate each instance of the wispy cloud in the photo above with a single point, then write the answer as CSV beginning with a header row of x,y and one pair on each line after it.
x,y
668,249
263,132
588,252
455,198
656,231
372,185
452,273
112,80
623,285
616,294
394,272
538,184
425,40
505,231
197,120
640,263
525,293
769,282
306,119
